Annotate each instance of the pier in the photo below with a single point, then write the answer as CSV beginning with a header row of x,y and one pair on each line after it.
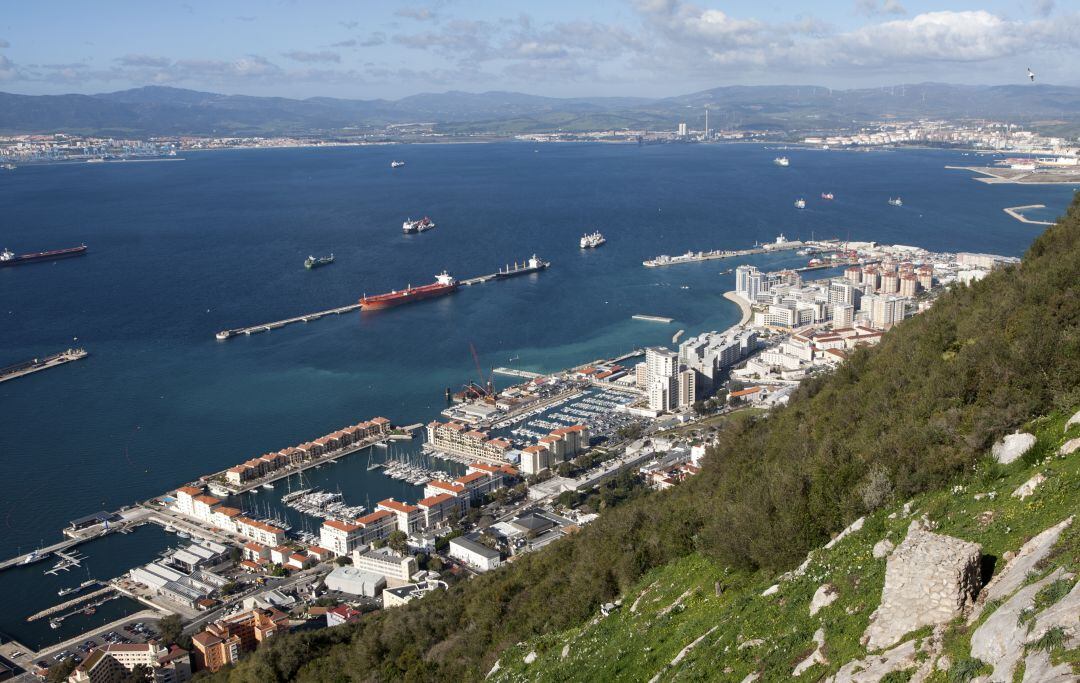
x,y
1015,212
517,373
70,603
675,337
699,256
38,364
652,318
266,327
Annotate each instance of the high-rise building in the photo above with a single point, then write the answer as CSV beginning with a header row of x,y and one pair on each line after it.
x,y
890,283
663,369
682,130
224,640
687,388
887,311
841,292
853,274
909,284
843,316
926,277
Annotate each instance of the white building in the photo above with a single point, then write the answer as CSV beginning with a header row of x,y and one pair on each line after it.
x,y
398,569
355,581
474,554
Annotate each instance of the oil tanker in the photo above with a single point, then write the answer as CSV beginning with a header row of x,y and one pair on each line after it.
x,y
8,257
444,284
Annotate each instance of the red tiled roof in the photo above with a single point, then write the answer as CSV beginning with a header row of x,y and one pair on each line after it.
x,y
374,517
190,490
341,526
456,488
396,505
745,392
432,501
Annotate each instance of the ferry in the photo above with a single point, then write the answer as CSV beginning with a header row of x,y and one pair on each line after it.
x,y
313,262
396,164
896,201
592,241
422,225
800,203
781,161
827,195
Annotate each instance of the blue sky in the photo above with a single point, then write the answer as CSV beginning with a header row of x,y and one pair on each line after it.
x,y
368,49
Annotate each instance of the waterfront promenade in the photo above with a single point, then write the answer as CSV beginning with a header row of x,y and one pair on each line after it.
x,y
743,304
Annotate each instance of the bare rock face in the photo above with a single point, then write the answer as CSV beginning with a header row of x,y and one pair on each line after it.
x,y
825,595
816,657
929,579
1000,640
1015,573
1029,486
1009,449
875,667
1074,420
1070,446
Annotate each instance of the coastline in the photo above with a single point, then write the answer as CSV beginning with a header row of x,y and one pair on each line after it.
x,y
744,307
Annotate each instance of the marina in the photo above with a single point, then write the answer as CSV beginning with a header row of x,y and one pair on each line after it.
x,y
38,364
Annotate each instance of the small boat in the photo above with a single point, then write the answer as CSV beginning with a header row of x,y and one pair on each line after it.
x,y
800,203
896,201
313,262
183,534
396,164
827,195
781,161
170,529
89,610
268,485
54,623
423,225
65,591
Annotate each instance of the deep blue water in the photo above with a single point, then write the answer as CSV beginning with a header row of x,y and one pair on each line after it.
x,y
179,250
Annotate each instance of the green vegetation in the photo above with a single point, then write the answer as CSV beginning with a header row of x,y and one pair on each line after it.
x,y
901,421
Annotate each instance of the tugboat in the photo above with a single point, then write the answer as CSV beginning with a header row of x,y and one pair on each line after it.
x,y
896,201
396,164
313,262
422,225
800,203
781,161
592,240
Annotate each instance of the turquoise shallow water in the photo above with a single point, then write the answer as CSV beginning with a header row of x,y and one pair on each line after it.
x,y
179,250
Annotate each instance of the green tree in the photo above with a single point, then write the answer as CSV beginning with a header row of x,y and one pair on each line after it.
x,y
170,628
342,560
398,541
60,671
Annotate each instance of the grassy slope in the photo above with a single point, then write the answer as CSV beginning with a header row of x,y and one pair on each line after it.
x,y
636,646
905,417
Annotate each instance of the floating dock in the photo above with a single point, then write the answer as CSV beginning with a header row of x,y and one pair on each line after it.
x,y
652,318
38,364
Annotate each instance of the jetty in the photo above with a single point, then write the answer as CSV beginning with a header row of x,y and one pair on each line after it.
x,y
266,327
38,364
517,373
70,603
530,265
781,244
1015,212
676,336
652,318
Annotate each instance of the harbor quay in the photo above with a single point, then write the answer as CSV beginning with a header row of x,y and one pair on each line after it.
x,y
38,364
781,244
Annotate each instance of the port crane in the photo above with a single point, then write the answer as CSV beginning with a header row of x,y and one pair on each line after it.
x,y
486,389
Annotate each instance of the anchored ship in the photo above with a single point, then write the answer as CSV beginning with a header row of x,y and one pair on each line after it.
x,y
827,195
444,284
534,264
781,161
592,241
313,262
9,258
896,201
395,164
422,225
800,203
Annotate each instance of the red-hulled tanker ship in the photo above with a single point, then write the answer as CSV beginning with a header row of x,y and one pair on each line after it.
x,y
444,284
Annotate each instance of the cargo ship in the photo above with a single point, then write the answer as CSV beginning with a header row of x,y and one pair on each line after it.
x,y
800,203
533,265
396,164
422,225
592,241
313,262
827,195
444,284
9,258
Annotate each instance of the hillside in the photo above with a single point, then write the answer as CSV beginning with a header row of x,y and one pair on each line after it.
x,y
913,416
157,110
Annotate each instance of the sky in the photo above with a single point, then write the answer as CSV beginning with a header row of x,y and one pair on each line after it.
x,y
644,48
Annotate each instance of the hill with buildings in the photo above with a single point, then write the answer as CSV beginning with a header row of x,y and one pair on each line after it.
x,y
896,456
156,110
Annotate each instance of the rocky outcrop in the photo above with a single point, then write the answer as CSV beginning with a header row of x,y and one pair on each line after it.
x,y
1012,447
929,579
851,528
825,595
1000,640
905,656
1074,420
1017,570
882,548
816,657
1039,669
1069,447
1029,486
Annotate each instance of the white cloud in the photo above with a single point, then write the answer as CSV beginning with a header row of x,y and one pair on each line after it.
x,y
417,13
877,7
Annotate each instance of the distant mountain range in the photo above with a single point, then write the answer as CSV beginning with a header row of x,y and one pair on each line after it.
x,y
156,110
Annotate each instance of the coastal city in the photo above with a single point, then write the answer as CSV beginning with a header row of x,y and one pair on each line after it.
x,y
497,473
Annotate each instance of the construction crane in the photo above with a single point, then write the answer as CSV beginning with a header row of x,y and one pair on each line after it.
x,y
487,387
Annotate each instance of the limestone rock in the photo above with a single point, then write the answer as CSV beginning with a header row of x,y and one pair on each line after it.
x,y
1015,573
882,548
825,595
771,590
875,667
493,669
1074,420
753,642
1010,448
1029,486
1039,669
816,657
530,658
565,651
852,528
999,641
751,677
929,579
1070,446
